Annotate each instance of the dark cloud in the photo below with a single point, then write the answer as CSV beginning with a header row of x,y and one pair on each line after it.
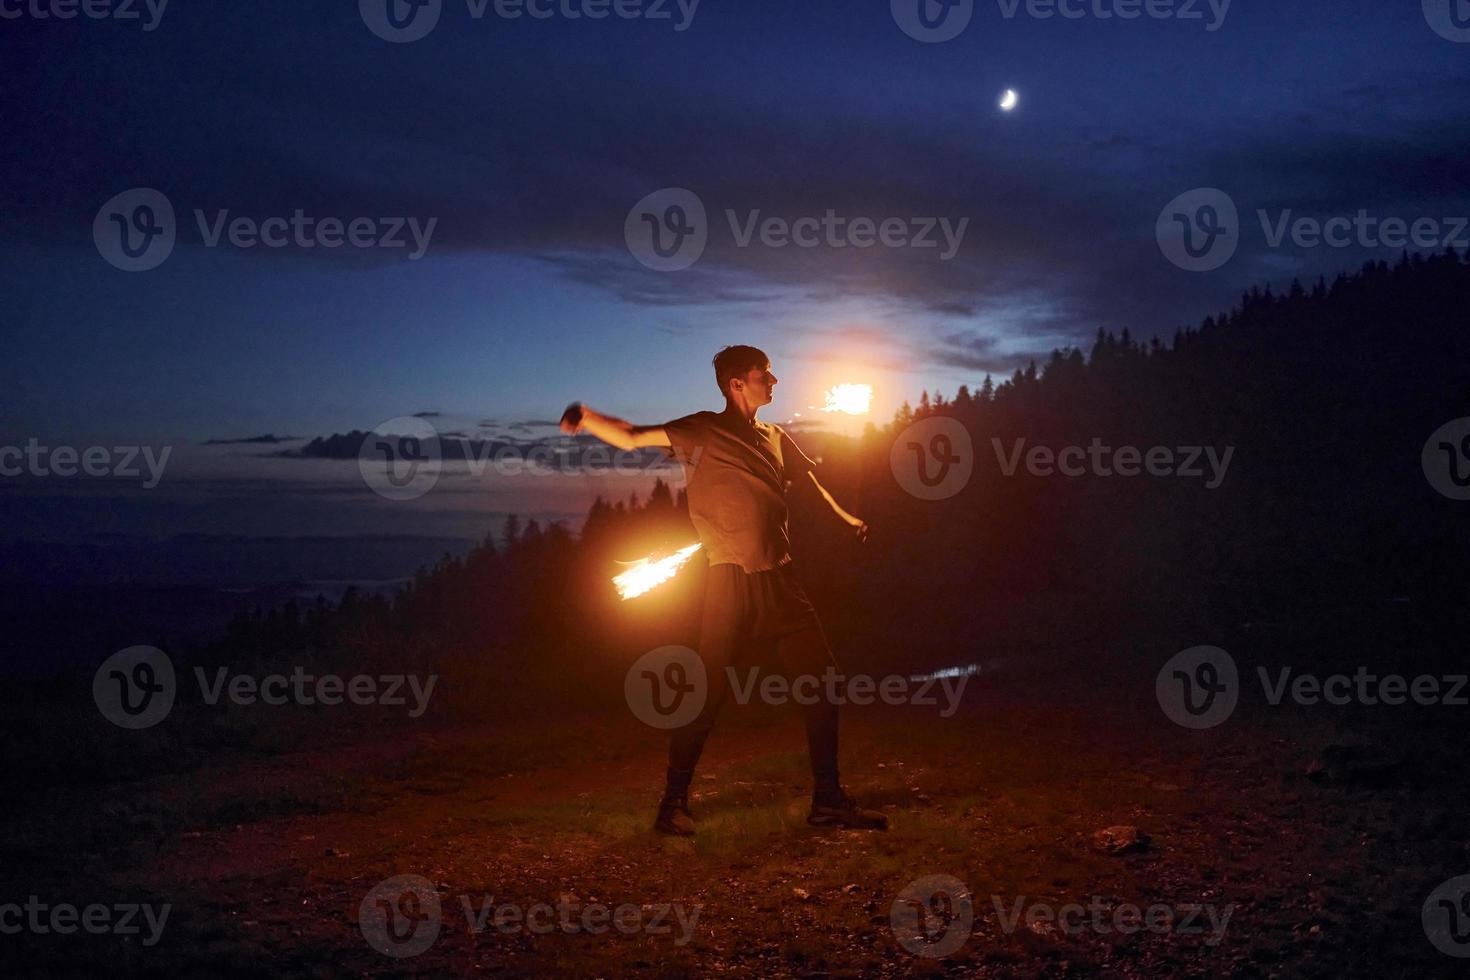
x,y
548,166
264,440
569,453
975,352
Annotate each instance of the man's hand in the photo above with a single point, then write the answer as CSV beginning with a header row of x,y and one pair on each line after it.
x,y
613,431
571,419
858,525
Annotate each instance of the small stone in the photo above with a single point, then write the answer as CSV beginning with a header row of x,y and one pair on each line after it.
x,y
1120,839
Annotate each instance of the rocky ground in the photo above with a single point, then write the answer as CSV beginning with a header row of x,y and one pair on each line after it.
x,y
1048,828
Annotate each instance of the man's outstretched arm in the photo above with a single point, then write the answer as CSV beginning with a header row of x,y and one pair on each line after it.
x,y
613,431
856,523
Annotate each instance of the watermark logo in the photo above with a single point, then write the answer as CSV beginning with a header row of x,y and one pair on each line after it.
x,y
1199,230
150,12
570,916
134,688
63,919
135,231
401,21
1450,19
1097,459
1104,917
922,690
835,231
1180,10
933,916
1362,230
667,687
401,916
667,230
1199,687
1446,917
1446,459
38,460
934,458
932,21
1363,687
401,458
307,690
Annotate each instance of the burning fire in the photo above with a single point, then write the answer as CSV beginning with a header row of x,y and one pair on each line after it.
x,y
646,573
849,399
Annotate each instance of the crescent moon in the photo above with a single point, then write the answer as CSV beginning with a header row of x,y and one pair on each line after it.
x,y
1009,100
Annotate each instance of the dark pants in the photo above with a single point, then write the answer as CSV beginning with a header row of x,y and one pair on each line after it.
x,y
743,612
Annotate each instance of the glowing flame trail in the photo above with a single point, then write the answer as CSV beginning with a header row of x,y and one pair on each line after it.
x,y
849,399
645,573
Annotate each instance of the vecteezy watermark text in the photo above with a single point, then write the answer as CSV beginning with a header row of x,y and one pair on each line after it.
x,y
307,689
1103,917
857,689
1201,229
669,229
401,917
933,916
403,458
150,12
1363,687
1098,459
1200,687
571,916
1182,10
301,230
1364,230
405,21
64,918
936,21
69,461
836,231
135,688
668,687
136,231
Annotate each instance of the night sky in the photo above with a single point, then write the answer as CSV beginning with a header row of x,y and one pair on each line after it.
x,y
529,141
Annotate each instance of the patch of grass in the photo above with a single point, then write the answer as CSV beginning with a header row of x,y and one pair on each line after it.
x,y
727,830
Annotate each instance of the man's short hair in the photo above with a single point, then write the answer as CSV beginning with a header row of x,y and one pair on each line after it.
x,y
737,361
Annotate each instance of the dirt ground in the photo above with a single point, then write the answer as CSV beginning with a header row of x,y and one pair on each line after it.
x,y
1259,860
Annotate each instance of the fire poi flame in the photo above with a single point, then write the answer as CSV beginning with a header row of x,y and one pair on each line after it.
x,y
849,399
648,573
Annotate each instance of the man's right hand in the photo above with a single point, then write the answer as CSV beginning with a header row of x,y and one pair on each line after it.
x,y
613,431
571,419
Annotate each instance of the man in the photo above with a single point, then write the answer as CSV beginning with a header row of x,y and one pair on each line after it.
x,y
738,469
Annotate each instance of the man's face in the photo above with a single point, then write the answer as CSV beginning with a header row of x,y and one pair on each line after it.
x,y
758,383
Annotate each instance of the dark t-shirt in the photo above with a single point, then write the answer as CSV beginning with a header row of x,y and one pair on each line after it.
x,y
737,475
